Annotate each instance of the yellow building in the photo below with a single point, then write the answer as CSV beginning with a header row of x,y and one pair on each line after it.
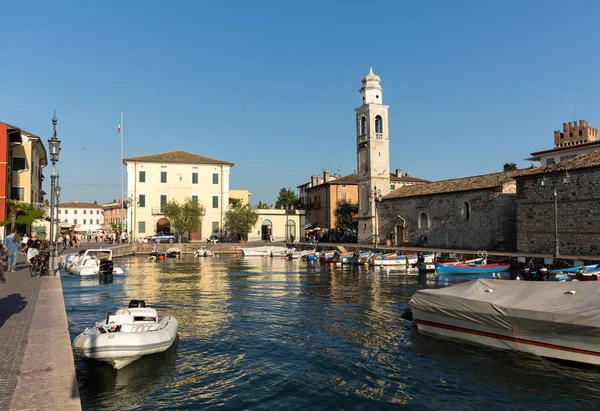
x,y
27,161
242,195
281,224
153,180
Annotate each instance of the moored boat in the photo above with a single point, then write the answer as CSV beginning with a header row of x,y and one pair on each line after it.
x,y
90,262
127,335
265,251
550,319
469,268
173,252
203,252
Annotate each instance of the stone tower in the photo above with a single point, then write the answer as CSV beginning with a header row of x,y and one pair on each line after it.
x,y
373,149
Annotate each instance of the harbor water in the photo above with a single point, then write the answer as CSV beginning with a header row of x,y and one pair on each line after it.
x,y
270,334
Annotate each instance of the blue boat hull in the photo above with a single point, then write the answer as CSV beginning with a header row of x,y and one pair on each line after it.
x,y
470,268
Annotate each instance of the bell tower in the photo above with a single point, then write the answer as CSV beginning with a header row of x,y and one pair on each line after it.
x,y
373,150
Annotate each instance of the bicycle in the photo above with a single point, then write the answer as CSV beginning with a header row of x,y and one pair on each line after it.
x,y
39,263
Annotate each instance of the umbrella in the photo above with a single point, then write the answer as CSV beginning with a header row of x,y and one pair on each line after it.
x,y
317,229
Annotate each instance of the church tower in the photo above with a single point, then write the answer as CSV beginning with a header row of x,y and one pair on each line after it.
x,y
373,150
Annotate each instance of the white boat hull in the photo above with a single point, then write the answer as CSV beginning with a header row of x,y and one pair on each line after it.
x,y
88,262
560,347
267,251
396,261
122,348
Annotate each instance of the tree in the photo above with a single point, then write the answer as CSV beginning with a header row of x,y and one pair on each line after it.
x,y
346,216
184,217
286,197
510,167
95,201
239,221
235,202
21,213
262,206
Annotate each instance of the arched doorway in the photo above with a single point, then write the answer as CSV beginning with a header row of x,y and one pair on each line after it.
x,y
163,226
290,229
266,230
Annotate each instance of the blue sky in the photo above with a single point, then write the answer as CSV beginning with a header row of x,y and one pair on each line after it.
x,y
471,85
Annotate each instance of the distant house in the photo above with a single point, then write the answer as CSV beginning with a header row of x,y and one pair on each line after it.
x,y
577,184
575,139
155,179
474,213
80,216
324,194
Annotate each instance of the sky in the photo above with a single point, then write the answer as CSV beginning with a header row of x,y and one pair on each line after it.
x,y
272,85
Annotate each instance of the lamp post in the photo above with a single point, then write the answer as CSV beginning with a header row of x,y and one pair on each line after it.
x,y
375,196
132,202
566,180
57,195
54,148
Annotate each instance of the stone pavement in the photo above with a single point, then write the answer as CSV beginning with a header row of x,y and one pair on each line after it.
x,y
17,303
37,370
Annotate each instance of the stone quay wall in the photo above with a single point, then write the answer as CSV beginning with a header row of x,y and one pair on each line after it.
x,y
578,211
478,219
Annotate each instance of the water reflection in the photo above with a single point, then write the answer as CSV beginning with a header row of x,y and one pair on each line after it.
x,y
262,333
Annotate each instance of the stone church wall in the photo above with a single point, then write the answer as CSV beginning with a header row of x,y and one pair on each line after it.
x,y
578,208
474,220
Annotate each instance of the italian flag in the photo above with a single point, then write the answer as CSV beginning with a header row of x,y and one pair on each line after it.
x,y
120,122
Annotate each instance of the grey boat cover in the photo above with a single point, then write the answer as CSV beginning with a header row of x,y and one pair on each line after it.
x,y
555,307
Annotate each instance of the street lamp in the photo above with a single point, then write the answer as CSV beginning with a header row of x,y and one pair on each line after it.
x,y
375,196
566,180
132,202
57,195
54,148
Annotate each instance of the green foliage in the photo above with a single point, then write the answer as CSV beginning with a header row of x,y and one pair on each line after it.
x,y
184,217
346,216
95,201
287,197
21,213
510,167
262,206
239,221
235,203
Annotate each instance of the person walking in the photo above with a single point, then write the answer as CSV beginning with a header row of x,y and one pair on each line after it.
x,y
24,243
33,247
12,245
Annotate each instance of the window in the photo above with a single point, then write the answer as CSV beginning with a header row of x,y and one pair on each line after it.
x,y
378,124
66,220
215,226
215,178
75,221
74,211
393,186
17,193
142,176
141,226
423,221
84,212
163,202
84,221
142,200
363,126
215,202
195,199
549,161
59,211
19,163
467,210
163,177
97,221
97,211
66,211
194,178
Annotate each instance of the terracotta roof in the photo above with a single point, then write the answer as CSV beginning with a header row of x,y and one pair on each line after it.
x,y
557,149
348,179
406,179
455,185
588,160
78,204
177,156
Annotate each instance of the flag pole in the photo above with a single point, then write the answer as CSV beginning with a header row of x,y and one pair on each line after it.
x,y
122,178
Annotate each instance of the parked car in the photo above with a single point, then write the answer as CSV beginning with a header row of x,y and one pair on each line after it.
x,y
164,238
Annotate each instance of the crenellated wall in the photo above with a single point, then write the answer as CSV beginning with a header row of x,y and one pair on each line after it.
x,y
575,133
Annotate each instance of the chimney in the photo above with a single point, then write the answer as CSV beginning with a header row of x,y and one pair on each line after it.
x,y
398,172
326,176
407,174
313,181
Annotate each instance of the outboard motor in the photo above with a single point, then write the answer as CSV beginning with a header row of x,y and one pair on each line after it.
x,y
137,304
106,267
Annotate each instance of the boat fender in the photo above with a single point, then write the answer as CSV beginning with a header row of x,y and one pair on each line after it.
x,y
407,314
571,292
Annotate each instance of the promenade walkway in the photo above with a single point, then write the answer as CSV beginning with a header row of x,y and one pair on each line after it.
x,y
36,363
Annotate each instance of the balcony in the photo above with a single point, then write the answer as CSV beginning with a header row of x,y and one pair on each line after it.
x,y
362,139
157,210
379,136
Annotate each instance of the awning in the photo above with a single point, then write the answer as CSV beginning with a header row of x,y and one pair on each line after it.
x,y
310,225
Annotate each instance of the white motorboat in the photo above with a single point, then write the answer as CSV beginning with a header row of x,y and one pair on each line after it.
x,y
266,251
550,319
293,254
87,262
203,252
173,252
127,335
